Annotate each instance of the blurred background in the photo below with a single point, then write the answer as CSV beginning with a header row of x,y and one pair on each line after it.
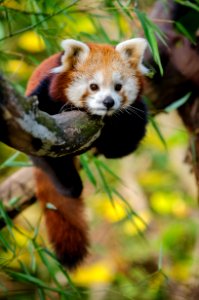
x,y
142,209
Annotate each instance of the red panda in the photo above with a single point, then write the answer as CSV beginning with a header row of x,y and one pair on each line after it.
x,y
101,80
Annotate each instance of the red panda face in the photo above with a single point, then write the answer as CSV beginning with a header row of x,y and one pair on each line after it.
x,y
100,78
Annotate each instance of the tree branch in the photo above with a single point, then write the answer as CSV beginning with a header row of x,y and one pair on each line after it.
x,y
19,187
34,132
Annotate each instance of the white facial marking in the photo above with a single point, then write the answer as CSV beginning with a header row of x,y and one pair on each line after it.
x,y
129,86
96,105
76,91
131,90
106,89
98,78
116,77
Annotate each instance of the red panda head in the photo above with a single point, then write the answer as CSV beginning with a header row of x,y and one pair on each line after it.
x,y
100,78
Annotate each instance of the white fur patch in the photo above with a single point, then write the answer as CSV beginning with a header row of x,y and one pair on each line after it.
x,y
131,90
71,48
76,91
116,77
98,78
95,102
133,49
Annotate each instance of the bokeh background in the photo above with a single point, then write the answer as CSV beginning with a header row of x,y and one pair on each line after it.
x,y
142,209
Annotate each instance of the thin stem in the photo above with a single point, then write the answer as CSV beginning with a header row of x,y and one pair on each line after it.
x,y
38,23
8,22
24,12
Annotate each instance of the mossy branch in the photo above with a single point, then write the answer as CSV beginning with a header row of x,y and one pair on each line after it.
x,y
34,132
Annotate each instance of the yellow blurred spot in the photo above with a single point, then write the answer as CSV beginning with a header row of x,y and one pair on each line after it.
x,y
99,272
113,212
157,280
179,208
18,67
14,4
118,211
153,140
137,223
169,203
31,42
180,271
20,243
154,178
79,23
84,25
21,236
125,26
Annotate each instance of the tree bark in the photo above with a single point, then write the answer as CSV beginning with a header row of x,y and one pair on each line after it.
x,y
180,60
34,132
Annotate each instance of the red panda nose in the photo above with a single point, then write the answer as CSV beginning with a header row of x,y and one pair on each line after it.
x,y
108,102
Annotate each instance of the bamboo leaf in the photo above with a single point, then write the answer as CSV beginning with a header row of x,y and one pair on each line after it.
x,y
175,105
160,258
85,163
151,30
185,32
158,131
106,168
189,4
105,184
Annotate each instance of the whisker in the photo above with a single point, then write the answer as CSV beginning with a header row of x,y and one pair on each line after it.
x,y
140,110
131,110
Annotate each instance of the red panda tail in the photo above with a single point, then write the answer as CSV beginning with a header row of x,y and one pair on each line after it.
x,y
66,225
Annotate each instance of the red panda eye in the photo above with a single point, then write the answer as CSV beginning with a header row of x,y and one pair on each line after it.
x,y
94,87
118,87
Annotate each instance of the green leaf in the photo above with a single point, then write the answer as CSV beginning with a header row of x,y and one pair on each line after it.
x,y
175,105
185,32
189,4
85,163
5,217
151,31
41,294
46,262
28,278
106,168
158,131
105,184
6,244
160,258
125,9
129,210
10,162
62,269
13,201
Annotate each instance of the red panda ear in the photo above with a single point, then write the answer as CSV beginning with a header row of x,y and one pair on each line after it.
x,y
133,52
75,53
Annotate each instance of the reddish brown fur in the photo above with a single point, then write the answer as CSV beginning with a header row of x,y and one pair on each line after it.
x,y
42,71
67,228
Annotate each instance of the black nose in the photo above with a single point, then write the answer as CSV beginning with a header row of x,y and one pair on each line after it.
x,y
108,102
